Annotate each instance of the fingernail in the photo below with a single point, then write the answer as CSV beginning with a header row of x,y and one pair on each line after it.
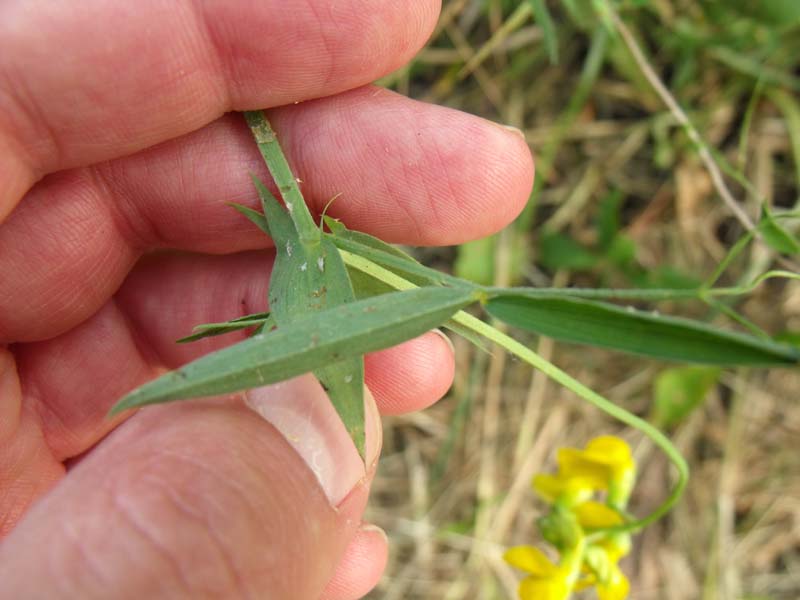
x,y
512,129
300,409
374,529
446,338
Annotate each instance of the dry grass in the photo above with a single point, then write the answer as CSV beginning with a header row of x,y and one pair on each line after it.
x,y
453,488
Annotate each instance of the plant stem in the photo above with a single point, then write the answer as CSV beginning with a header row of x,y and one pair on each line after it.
x,y
267,141
682,118
537,362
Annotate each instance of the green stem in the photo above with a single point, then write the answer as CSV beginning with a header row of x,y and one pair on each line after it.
x,y
529,356
705,293
267,141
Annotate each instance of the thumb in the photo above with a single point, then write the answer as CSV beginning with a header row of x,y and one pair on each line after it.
x,y
205,499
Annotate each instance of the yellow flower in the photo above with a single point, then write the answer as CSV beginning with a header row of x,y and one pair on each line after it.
x,y
606,575
615,588
594,515
545,580
606,463
568,491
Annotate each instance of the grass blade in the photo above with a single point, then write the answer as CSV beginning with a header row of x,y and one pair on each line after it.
x,y
542,16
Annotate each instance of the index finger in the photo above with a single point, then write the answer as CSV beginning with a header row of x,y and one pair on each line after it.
x,y
89,81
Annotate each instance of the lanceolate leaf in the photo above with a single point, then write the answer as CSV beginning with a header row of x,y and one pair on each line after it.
x,y
309,277
775,235
307,344
256,217
637,332
211,329
395,260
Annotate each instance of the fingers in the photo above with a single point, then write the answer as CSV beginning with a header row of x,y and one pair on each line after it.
x,y
104,80
27,467
407,172
361,566
72,380
412,375
195,500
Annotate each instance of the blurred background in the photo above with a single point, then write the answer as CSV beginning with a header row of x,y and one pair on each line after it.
x,y
625,197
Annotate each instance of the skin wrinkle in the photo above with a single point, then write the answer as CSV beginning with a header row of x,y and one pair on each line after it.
x,y
255,465
136,231
410,217
207,524
41,410
73,215
22,104
330,53
128,514
444,172
89,560
57,424
196,102
214,54
11,410
229,303
359,213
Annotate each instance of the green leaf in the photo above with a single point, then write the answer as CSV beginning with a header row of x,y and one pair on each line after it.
x,y
679,391
256,217
545,21
771,12
394,259
475,260
306,278
622,251
636,332
307,344
379,252
790,109
608,218
366,286
776,236
339,230
557,251
211,329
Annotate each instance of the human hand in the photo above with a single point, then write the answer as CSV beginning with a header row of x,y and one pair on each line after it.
x,y
115,152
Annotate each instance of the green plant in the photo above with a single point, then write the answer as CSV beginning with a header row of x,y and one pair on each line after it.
x,y
337,294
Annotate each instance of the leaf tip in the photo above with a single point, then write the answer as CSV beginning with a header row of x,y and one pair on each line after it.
x,y
124,404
